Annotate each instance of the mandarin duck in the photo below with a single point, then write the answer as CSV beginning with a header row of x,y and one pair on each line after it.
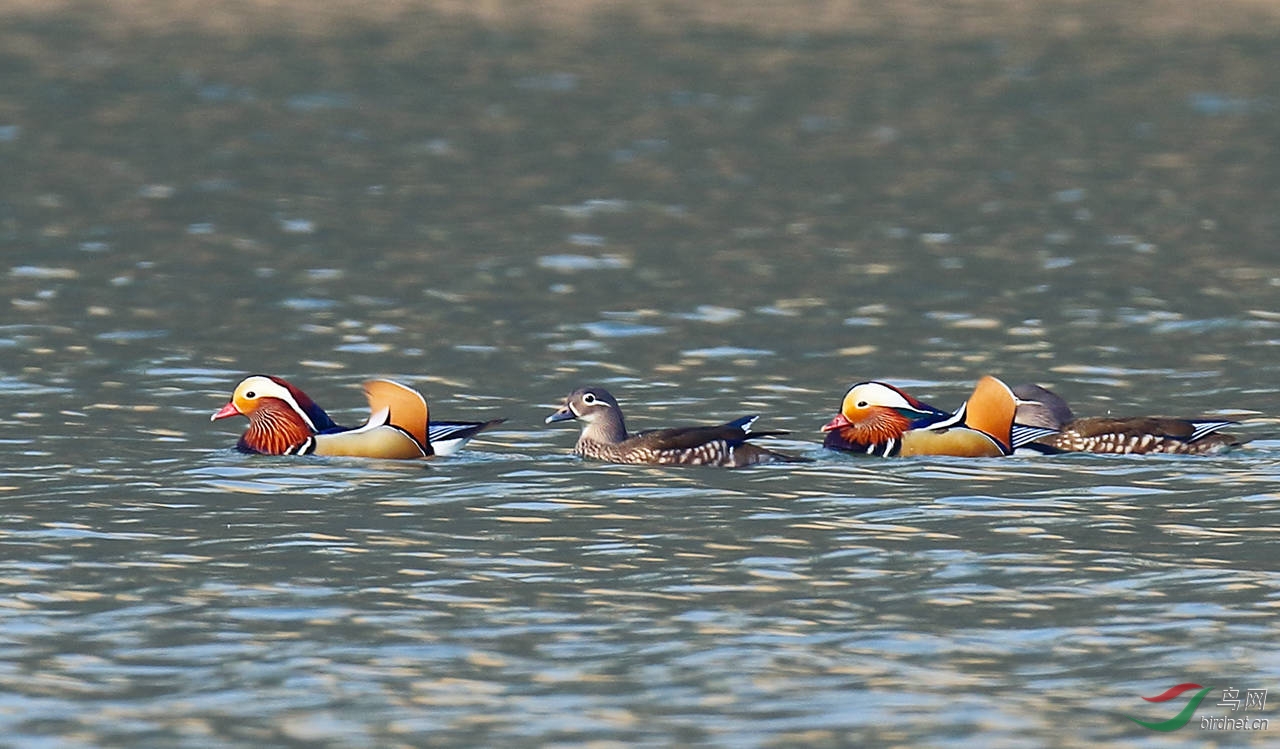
x,y
604,437
283,420
1130,435
879,419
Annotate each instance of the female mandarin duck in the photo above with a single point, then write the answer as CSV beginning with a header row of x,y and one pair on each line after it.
x,y
604,437
879,419
283,420
1131,435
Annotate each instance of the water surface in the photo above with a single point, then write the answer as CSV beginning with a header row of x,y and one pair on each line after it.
x,y
708,219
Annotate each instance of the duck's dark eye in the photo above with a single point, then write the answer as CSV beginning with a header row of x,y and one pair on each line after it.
x,y
251,394
588,399
862,404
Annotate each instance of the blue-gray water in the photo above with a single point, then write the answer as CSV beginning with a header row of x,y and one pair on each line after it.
x,y
711,221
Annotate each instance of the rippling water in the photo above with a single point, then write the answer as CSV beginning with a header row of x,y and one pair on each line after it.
x,y
497,218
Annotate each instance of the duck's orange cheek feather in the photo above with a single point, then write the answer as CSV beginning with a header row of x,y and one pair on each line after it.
x,y
267,442
871,434
872,427
274,430
843,438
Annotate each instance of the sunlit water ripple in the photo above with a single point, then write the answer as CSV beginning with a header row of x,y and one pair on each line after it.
x,y
508,594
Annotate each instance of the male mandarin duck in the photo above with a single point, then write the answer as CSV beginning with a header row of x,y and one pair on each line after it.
x,y
1130,435
604,437
879,419
283,420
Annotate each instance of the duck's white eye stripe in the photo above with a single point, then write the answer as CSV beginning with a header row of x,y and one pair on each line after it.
x,y
264,387
877,394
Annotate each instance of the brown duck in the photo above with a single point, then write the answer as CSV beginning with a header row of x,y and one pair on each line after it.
x,y
604,437
1129,435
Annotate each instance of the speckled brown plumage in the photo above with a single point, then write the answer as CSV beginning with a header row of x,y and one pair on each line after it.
x,y
1140,435
1133,435
604,437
